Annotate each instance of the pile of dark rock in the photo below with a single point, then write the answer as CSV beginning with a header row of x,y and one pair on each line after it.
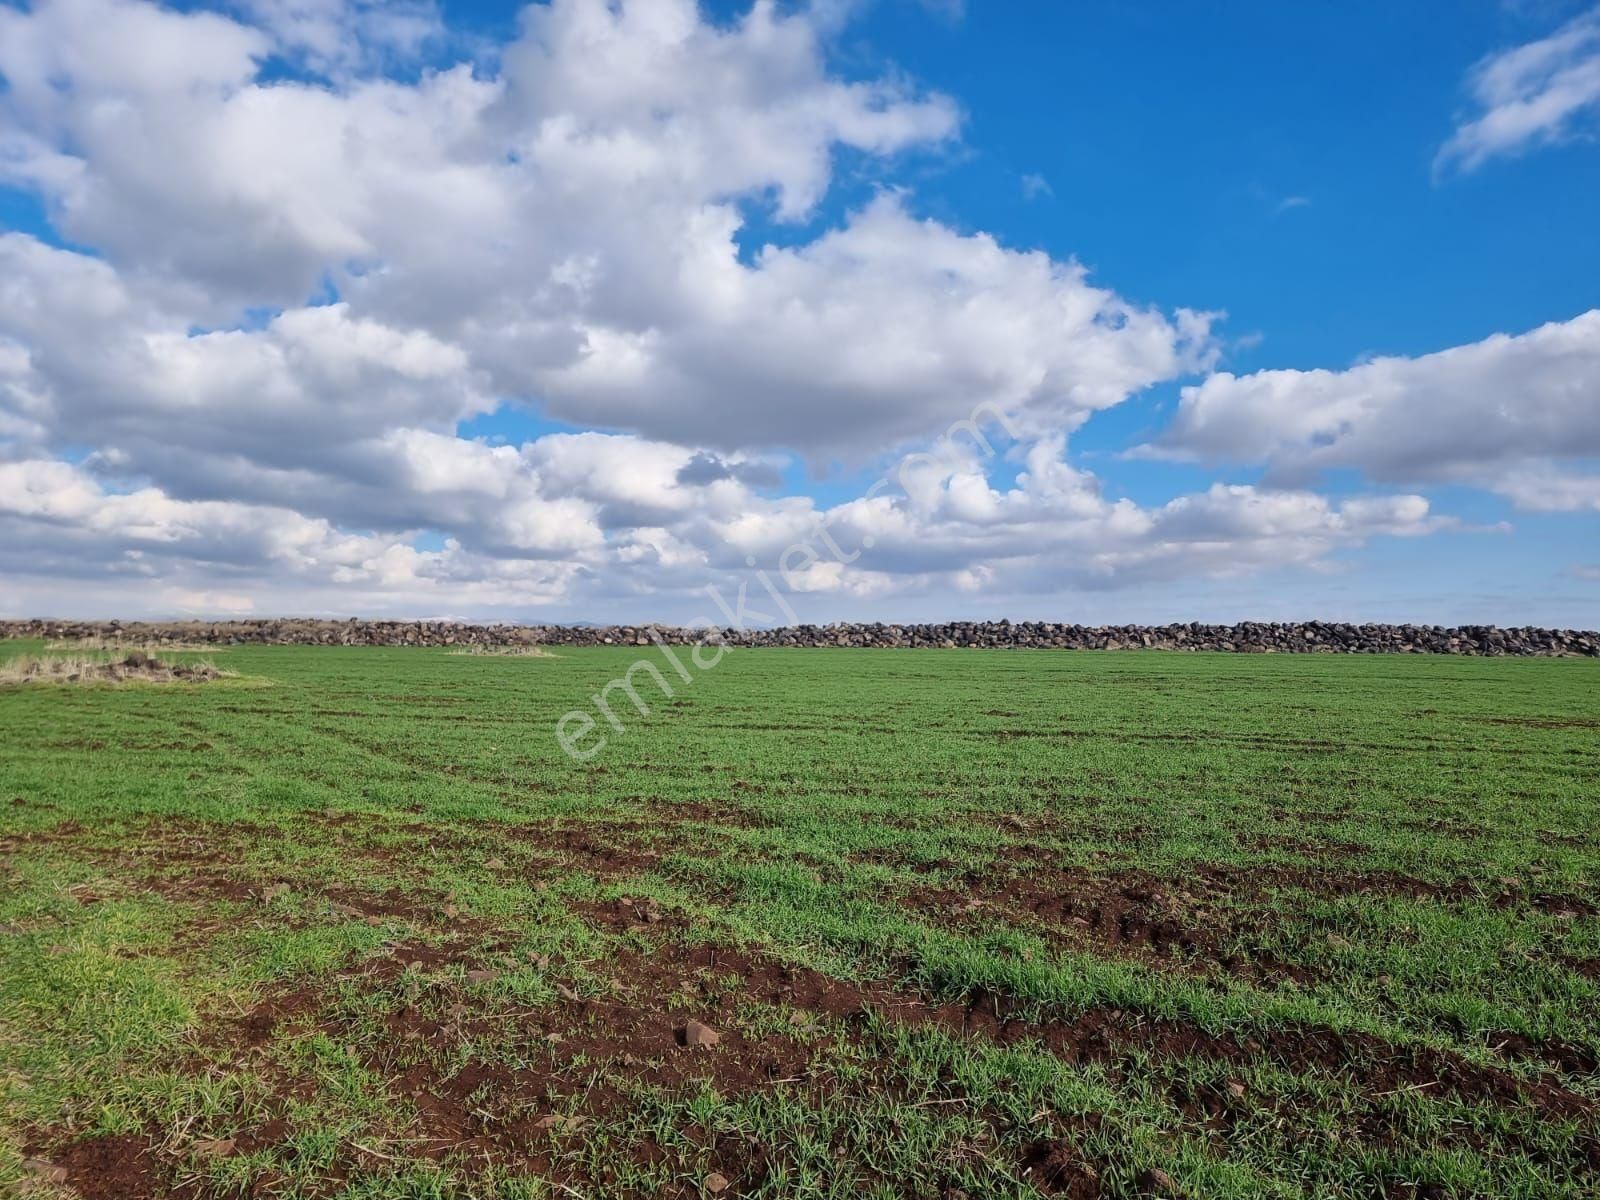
x,y
1298,637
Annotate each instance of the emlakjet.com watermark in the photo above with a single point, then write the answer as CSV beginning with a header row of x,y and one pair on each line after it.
x,y
583,733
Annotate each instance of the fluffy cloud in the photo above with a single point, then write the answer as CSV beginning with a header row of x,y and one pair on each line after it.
x,y
881,331
1535,94
1055,528
572,220
530,549
337,38
282,275
1499,413
58,525
252,411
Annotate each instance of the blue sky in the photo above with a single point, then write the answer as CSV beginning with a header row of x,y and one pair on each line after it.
x,y
461,362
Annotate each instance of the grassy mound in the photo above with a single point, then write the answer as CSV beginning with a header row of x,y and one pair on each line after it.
x,y
79,668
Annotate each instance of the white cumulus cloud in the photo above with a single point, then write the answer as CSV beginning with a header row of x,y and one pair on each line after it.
x,y
1501,414
298,246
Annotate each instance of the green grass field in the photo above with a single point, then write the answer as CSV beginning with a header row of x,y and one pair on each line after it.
x,y
962,923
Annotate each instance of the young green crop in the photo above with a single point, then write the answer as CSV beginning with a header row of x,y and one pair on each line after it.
x,y
1335,921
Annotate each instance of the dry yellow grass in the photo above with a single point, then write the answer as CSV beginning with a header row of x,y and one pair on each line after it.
x,y
83,668
120,646
505,652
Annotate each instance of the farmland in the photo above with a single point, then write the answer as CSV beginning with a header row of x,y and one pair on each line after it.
x,y
825,923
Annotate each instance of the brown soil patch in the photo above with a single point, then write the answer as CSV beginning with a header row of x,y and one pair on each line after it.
x,y
1543,722
1564,1055
674,1020
1182,924
1205,919
188,861
120,1166
1589,968
1556,905
658,1038
1106,1035
639,1028
1055,1168
418,906
609,849
679,1015
602,857
628,914
580,1058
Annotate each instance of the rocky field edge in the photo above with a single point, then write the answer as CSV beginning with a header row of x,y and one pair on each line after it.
x,y
1249,636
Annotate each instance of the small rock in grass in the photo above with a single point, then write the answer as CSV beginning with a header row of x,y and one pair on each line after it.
x,y
1157,1180
214,1147
43,1169
698,1033
716,1183
559,1123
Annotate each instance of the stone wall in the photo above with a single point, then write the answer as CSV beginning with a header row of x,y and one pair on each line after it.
x,y
1249,636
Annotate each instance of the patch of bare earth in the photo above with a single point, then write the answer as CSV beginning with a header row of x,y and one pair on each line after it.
x,y
119,1166
1542,722
1128,914
672,1020
1206,919
677,1016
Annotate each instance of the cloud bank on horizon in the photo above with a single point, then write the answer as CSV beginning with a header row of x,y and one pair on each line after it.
x,y
295,260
